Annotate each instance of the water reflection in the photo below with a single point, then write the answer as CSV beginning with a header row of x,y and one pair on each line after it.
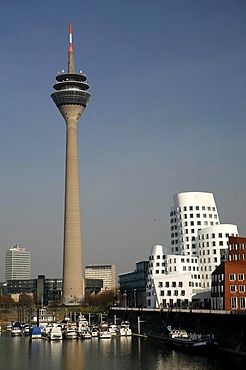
x,y
73,355
117,353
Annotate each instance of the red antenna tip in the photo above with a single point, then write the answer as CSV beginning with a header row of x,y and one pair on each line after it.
x,y
70,37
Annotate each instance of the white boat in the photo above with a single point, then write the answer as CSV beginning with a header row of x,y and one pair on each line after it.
x,y
86,334
113,329
70,333
26,330
16,331
104,334
46,330
9,326
94,332
83,325
55,333
125,329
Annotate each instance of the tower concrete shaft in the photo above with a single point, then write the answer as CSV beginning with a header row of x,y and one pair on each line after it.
x,y
71,98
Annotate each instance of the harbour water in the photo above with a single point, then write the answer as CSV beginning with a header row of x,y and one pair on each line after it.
x,y
117,353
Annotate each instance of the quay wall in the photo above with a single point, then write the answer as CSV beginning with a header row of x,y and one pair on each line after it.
x,y
228,327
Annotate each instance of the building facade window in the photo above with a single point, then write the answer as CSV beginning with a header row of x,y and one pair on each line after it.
x,y
242,302
233,303
240,277
232,277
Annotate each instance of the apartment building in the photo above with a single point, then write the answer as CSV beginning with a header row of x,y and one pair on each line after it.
x,y
105,272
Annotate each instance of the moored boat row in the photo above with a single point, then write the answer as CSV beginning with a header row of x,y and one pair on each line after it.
x,y
67,329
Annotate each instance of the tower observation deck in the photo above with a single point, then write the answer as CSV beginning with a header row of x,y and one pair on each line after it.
x,y
71,97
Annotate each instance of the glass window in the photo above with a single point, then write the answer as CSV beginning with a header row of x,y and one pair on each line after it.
x,y
233,302
232,277
242,302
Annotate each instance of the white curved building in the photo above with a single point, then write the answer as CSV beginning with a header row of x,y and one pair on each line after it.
x,y
191,212
199,243
212,245
172,279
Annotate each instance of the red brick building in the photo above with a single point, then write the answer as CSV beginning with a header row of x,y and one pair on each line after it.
x,y
228,289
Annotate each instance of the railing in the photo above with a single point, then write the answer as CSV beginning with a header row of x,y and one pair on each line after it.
x,y
186,310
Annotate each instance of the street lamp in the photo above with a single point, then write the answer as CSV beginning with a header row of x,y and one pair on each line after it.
x,y
125,297
135,297
219,286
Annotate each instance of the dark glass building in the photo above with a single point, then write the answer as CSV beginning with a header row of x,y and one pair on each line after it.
x,y
132,285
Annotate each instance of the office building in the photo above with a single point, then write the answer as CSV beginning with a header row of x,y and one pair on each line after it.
x,y
172,279
132,285
105,272
191,212
17,263
198,246
44,291
71,98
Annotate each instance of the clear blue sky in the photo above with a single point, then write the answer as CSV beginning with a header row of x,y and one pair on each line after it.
x,y
167,115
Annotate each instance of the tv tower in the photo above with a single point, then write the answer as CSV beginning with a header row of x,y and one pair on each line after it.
x,y
71,97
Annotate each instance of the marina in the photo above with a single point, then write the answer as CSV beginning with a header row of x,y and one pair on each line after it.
x,y
68,329
119,352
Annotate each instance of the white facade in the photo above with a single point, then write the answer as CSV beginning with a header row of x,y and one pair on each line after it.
x,y
212,244
105,272
191,212
172,279
17,263
198,245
